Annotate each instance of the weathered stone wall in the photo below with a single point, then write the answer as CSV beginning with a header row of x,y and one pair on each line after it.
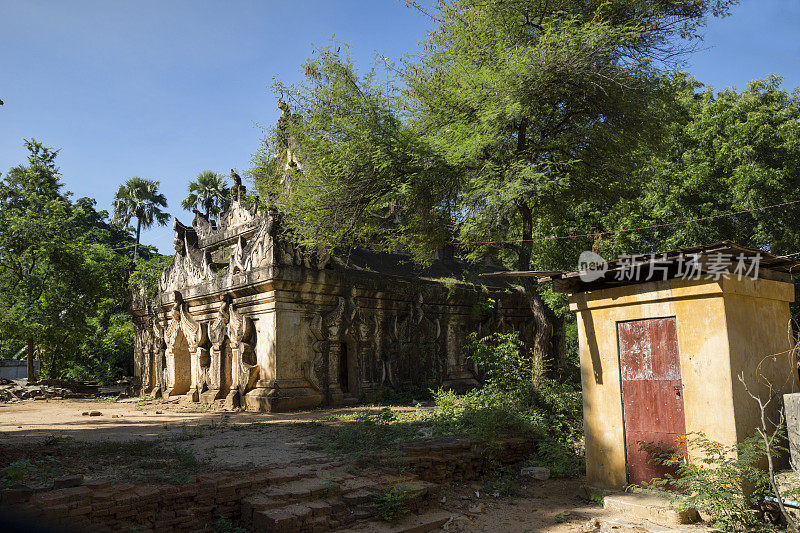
x,y
275,328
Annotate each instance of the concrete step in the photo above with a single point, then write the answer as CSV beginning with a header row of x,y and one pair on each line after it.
x,y
648,506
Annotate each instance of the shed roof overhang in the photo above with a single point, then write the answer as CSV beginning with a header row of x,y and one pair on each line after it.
x,y
642,268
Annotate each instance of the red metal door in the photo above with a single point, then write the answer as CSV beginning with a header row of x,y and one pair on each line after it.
x,y
652,393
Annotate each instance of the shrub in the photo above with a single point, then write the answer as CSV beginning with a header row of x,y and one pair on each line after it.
x,y
370,432
724,482
390,396
503,360
560,457
392,503
507,406
487,414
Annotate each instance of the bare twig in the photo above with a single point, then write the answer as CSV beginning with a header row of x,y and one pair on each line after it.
x,y
768,436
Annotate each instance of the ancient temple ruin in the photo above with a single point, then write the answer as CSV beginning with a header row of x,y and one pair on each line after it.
x,y
243,318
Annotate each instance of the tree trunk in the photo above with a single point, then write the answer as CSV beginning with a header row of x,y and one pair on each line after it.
x,y
138,234
543,317
31,367
526,246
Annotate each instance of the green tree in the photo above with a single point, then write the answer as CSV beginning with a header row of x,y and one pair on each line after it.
x,y
345,169
57,268
727,151
544,106
208,191
139,198
521,119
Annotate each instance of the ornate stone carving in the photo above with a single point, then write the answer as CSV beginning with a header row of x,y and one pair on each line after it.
x,y
417,355
202,225
238,190
146,345
218,328
236,263
324,330
382,327
186,269
242,335
174,325
238,214
182,320
159,358
194,331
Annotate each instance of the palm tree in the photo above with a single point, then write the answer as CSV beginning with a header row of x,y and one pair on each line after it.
x,y
139,198
210,192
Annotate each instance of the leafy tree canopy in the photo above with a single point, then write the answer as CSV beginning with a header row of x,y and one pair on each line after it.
x,y
520,120
209,193
139,198
342,165
61,262
728,151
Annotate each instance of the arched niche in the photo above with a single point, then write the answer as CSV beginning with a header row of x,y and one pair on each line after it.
x,y
348,366
181,365
226,365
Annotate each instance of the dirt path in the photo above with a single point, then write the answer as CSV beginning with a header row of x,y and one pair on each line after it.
x,y
551,506
225,440
148,439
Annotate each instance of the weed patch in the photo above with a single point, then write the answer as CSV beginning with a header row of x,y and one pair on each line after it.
x,y
393,502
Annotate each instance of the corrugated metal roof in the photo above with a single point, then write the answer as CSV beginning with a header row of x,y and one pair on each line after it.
x,y
770,266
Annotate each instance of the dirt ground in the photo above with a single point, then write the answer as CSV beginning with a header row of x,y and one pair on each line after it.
x,y
542,506
136,439
247,439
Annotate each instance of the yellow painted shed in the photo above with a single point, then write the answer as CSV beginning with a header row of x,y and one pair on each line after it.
x,y
661,351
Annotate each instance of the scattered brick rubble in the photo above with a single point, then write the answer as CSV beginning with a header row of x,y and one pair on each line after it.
x,y
309,496
17,390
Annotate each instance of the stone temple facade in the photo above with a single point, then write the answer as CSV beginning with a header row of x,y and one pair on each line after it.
x,y
245,319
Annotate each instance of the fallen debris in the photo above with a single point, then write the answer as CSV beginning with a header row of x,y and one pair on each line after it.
x,y
536,472
12,391
476,509
458,523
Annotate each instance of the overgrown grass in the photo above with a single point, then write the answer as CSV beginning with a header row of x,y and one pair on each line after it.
x,y
562,458
367,432
488,416
419,392
508,405
136,460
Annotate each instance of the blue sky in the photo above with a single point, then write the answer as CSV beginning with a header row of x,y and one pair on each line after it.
x,y
167,89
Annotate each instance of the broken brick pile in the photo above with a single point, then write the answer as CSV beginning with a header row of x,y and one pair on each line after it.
x,y
314,496
317,497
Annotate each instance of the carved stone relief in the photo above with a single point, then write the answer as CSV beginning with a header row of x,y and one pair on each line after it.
x,y
242,335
